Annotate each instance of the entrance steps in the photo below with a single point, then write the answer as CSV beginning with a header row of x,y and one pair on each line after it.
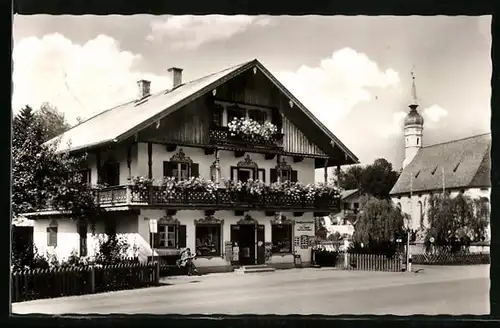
x,y
254,269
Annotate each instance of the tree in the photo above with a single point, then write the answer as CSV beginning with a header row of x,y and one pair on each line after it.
x,y
42,177
376,179
52,121
378,227
454,223
321,231
351,178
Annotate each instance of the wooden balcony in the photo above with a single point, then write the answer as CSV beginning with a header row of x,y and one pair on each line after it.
x,y
222,136
221,199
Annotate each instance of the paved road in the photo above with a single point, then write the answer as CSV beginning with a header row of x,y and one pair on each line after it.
x,y
435,290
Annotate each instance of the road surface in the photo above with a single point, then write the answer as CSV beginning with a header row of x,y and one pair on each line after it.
x,y
435,290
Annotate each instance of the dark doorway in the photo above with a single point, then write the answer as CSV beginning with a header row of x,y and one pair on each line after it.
x,y
246,243
22,246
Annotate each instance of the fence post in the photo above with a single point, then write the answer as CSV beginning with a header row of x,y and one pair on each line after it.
x,y
92,280
157,271
346,263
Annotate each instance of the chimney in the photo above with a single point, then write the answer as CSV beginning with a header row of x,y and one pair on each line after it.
x,y
144,88
176,76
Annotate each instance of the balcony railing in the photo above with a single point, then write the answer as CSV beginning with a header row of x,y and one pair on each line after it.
x,y
221,135
220,199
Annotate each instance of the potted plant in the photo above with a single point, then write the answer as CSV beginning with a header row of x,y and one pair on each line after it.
x,y
235,189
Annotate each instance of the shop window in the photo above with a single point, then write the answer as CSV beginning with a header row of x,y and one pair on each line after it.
x,y
52,234
208,240
281,238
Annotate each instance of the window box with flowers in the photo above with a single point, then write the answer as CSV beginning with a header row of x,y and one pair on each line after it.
x,y
251,131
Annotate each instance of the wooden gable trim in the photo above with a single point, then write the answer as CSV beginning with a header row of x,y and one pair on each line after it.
x,y
225,78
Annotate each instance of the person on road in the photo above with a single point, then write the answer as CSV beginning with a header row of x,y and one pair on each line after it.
x,y
186,260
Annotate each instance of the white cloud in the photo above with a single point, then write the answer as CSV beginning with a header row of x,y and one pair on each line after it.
x,y
394,126
79,79
189,32
338,84
434,113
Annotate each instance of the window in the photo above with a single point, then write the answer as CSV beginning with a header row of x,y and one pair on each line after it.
x,y
257,115
217,115
180,166
399,206
285,171
111,174
85,176
208,240
180,171
82,232
110,227
245,174
52,234
418,140
281,238
170,236
235,112
420,212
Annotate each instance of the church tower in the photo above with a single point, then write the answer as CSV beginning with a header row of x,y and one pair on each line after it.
x,y
413,128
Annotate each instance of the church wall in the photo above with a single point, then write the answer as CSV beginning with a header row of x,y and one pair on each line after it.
x,y
412,207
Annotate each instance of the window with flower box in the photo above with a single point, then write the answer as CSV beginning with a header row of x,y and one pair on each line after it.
x,y
217,113
180,167
247,169
257,115
284,171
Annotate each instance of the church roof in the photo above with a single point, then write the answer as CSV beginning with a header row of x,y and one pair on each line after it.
x,y
466,164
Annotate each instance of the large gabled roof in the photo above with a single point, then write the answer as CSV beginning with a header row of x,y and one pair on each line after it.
x,y
121,122
465,162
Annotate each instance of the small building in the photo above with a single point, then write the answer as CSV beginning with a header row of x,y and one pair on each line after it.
x,y
456,166
183,133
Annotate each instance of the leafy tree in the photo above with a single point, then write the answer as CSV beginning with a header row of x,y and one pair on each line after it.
x,y
376,179
321,231
51,121
454,223
351,178
378,227
42,177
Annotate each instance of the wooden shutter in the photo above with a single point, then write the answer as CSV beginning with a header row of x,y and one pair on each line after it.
x,y
234,173
181,236
155,242
274,175
52,236
195,170
168,169
262,175
294,177
117,174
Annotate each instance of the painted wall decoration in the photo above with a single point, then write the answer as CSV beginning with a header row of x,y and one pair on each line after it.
x,y
296,241
228,246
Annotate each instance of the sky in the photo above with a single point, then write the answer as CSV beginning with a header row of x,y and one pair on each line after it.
x,y
352,72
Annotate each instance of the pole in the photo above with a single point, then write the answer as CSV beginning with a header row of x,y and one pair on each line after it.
x,y
408,255
443,181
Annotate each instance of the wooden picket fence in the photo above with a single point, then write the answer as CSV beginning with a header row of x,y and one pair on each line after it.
x,y
49,283
373,262
451,259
